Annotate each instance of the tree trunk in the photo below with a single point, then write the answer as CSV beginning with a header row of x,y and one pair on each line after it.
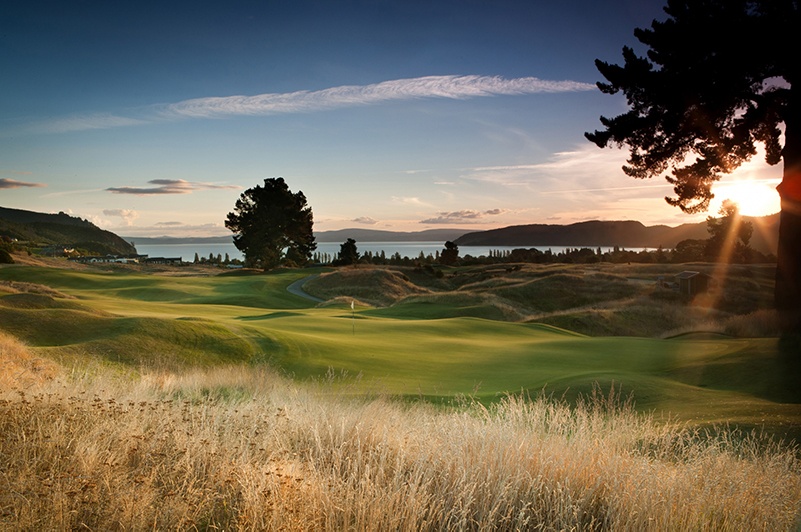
x,y
788,268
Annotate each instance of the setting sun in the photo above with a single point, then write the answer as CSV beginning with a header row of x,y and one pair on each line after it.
x,y
754,198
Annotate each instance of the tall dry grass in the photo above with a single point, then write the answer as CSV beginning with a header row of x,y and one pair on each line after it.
x,y
21,369
244,449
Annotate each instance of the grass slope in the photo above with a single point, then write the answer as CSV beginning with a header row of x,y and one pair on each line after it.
x,y
441,349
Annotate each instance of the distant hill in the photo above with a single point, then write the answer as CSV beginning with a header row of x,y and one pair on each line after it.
x,y
373,235
626,234
60,229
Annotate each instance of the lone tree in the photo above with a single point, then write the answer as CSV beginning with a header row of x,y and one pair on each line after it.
x,y
450,254
348,253
272,225
719,77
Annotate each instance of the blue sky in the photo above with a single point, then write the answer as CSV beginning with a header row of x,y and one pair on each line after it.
x,y
150,118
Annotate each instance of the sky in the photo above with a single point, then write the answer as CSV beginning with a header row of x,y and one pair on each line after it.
x,y
151,118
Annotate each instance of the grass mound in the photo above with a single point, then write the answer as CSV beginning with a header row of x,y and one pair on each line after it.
x,y
562,291
641,316
452,305
375,286
138,341
37,301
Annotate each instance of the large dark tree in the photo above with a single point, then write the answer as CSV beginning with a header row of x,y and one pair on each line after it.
x,y
719,77
348,253
450,254
272,225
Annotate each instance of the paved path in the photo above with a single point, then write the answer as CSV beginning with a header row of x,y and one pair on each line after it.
x,y
296,288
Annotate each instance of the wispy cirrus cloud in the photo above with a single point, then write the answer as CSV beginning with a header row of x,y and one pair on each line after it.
x,y
409,200
305,101
86,122
168,186
13,183
452,87
462,217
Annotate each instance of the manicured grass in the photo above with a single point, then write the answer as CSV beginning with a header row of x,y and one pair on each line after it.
x,y
260,291
439,348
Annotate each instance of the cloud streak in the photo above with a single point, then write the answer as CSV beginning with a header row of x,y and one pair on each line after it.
x,y
87,122
366,220
168,186
448,87
13,183
451,87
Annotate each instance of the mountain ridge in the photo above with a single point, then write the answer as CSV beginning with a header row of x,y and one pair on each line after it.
x,y
622,233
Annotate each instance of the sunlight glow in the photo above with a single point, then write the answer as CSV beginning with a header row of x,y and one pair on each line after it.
x,y
754,198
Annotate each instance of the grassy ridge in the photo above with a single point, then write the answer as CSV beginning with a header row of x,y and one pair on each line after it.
x,y
440,349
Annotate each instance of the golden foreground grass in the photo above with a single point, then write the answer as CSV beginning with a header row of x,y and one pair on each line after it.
x,y
241,448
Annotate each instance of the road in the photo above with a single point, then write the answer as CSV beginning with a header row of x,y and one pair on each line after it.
x,y
296,288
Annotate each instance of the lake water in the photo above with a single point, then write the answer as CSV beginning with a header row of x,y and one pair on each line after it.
x,y
406,249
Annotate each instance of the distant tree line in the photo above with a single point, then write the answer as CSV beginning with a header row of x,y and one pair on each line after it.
x,y
729,241
216,260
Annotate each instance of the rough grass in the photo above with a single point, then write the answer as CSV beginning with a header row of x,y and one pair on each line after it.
x,y
21,369
639,316
243,449
597,300
17,287
374,286
453,304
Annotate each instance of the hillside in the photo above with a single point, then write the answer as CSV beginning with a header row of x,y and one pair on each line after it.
x,y
628,234
41,229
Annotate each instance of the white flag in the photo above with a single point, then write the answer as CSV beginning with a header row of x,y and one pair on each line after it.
x,y
351,304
